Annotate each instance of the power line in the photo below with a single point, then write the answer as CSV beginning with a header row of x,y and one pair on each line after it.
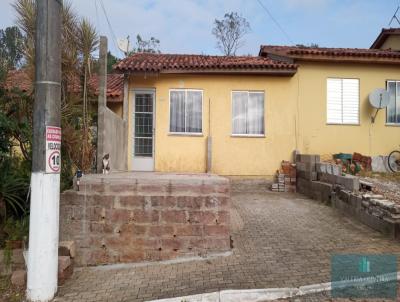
x,y
275,21
114,38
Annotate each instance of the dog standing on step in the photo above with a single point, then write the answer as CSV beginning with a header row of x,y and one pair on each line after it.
x,y
106,164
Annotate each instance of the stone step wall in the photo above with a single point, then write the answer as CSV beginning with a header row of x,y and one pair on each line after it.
x,y
141,218
324,182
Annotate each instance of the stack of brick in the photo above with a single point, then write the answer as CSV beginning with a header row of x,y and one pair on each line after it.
x,y
146,217
285,178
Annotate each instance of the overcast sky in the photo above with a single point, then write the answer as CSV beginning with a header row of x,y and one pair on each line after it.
x,y
184,26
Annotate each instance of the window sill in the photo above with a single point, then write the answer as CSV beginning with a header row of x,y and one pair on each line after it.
x,y
392,124
249,135
185,134
342,124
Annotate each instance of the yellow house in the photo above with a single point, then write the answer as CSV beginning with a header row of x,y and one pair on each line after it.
x,y
241,116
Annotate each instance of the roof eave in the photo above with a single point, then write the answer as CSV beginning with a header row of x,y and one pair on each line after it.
x,y
252,71
346,59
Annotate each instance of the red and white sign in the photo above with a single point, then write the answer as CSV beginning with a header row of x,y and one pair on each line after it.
x,y
53,149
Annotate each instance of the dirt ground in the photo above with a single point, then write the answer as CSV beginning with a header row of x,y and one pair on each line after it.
x,y
8,293
385,184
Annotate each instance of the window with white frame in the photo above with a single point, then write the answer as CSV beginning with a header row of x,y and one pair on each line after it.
x,y
185,111
248,113
393,109
343,101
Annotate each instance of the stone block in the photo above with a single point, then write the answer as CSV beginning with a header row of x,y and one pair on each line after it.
x,y
67,248
349,182
18,278
63,263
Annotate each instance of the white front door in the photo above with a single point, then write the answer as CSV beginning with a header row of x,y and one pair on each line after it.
x,y
143,130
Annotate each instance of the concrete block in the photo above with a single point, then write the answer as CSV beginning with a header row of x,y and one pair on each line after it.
x,y
350,182
321,167
328,178
67,248
307,175
308,158
336,170
18,278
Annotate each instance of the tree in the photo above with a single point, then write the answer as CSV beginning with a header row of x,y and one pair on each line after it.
x,y
11,42
111,60
149,46
229,33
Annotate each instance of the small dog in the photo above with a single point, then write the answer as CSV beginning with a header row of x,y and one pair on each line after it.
x,y
106,163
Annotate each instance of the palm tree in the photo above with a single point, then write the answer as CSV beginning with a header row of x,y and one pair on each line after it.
x,y
79,40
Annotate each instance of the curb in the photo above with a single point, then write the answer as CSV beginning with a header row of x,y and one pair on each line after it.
x,y
259,295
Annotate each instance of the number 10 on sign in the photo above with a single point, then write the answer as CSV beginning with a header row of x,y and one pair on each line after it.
x,y
53,149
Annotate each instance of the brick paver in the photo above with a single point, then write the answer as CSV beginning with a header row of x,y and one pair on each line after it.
x,y
280,240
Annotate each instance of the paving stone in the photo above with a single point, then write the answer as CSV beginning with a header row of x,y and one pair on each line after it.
x,y
279,239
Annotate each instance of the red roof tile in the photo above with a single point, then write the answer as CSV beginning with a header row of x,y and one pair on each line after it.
x,y
20,79
322,53
385,33
170,63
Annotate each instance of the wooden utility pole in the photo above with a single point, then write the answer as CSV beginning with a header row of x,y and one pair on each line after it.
x,y
102,102
46,160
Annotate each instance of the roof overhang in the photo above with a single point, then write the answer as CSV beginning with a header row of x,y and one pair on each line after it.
x,y
381,39
250,71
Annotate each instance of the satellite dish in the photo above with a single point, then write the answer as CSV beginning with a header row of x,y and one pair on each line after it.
x,y
379,98
123,45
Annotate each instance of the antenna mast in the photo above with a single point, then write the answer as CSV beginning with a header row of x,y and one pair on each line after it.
x,y
395,17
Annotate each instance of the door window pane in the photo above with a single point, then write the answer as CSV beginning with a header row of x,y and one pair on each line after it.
x,y
143,128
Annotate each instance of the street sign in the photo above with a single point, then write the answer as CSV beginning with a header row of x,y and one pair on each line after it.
x,y
53,149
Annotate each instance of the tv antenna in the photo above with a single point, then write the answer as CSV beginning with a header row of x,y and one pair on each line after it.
x,y
378,99
124,45
395,17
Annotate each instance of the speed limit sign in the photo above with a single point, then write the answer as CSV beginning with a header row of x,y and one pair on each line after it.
x,y
53,149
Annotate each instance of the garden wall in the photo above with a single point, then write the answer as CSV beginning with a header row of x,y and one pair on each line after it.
x,y
134,217
324,182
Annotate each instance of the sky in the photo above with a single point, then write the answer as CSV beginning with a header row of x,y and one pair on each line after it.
x,y
184,26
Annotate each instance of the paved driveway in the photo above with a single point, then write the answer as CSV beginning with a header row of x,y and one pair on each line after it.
x,y
280,240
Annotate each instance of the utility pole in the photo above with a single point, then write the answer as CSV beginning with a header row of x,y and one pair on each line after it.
x,y
102,102
46,160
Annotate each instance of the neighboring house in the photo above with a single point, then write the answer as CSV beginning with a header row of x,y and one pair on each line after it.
x,y
244,115
20,79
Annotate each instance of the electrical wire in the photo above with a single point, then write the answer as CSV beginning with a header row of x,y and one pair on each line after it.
x,y
114,38
275,21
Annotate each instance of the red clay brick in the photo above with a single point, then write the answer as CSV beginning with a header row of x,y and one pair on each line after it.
x,y
173,216
132,256
119,215
189,230
144,216
129,202
216,230
131,229
163,201
203,217
223,217
190,202
161,230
